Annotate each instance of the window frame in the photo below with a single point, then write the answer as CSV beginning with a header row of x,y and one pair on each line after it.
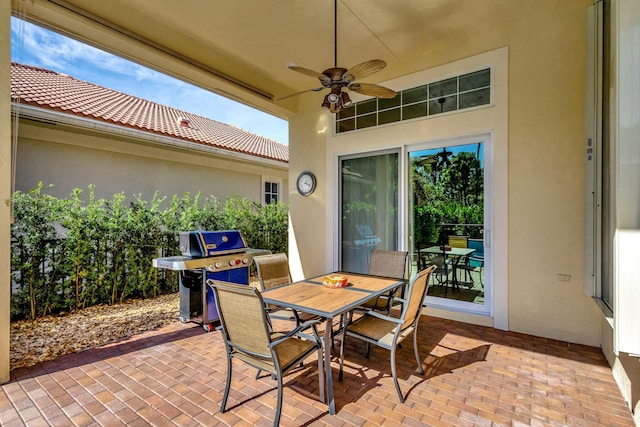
x,y
263,191
374,108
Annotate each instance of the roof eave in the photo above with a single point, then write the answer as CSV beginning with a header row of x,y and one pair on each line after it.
x,y
39,113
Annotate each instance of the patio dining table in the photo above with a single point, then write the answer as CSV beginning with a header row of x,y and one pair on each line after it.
x,y
454,253
310,296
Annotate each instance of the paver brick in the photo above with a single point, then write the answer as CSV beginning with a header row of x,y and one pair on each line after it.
x,y
474,376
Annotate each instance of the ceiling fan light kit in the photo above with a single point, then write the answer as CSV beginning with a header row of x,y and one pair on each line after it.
x,y
337,78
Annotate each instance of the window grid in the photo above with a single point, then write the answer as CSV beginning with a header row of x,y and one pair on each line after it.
x,y
435,101
270,192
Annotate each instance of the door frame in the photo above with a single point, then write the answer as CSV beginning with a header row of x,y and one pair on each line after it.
x,y
487,309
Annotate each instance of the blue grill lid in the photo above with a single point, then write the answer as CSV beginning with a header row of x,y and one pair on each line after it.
x,y
202,243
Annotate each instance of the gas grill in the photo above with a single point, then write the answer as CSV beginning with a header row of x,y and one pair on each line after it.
x,y
217,255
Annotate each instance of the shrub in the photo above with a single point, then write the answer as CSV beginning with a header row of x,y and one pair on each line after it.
x,y
72,253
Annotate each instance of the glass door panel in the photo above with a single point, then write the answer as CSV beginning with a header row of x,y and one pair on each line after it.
x,y
369,208
446,221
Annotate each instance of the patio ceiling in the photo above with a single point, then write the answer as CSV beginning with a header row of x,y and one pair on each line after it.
x,y
241,48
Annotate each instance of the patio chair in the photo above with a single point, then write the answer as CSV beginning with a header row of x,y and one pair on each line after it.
x,y
386,264
248,337
475,262
442,270
457,262
388,332
273,271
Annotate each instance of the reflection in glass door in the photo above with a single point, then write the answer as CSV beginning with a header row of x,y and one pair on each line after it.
x,y
446,221
368,209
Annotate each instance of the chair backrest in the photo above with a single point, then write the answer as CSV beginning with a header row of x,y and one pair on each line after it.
x,y
458,241
388,263
273,270
415,296
243,318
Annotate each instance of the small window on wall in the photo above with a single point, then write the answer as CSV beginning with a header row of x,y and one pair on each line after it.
x,y
271,192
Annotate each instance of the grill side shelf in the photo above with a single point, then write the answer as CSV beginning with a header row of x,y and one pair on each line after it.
x,y
180,263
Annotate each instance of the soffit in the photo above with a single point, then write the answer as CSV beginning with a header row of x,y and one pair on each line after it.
x,y
252,41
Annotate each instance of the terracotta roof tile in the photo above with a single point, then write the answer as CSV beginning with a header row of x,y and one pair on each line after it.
x,y
51,90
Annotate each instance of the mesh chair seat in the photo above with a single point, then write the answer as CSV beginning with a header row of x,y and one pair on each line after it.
x,y
288,354
377,331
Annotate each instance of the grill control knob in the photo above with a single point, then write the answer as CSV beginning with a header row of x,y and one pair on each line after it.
x,y
217,264
238,261
245,261
231,262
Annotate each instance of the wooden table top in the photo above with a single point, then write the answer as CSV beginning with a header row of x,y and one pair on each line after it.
x,y
309,296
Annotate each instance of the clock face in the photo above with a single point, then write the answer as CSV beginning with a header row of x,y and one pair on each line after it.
x,y
306,183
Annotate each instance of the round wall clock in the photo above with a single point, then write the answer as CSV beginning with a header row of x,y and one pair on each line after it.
x,y
306,183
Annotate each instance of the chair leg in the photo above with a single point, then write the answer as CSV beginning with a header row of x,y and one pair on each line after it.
x,y
226,387
415,352
321,383
344,336
276,420
393,374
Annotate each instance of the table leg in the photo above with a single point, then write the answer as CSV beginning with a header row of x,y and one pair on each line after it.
x,y
455,285
328,340
454,276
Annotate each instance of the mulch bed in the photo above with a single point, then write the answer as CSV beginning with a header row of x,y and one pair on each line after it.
x,y
35,341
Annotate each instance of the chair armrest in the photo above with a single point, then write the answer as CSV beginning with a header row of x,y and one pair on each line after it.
x,y
384,316
400,300
299,328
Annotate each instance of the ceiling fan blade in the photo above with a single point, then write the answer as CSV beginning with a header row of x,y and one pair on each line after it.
x,y
426,160
323,79
372,90
365,69
315,89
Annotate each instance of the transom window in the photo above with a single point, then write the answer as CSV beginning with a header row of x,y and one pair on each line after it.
x,y
456,93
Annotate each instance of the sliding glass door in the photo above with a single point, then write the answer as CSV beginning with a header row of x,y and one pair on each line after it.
x,y
368,208
447,222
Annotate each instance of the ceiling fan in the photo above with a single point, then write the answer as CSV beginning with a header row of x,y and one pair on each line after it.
x,y
337,78
441,158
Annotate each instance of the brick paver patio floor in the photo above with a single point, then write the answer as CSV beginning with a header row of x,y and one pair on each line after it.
x,y
175,376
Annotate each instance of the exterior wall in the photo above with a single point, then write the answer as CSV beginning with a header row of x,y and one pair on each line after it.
x,y
5,184
544,221
69,159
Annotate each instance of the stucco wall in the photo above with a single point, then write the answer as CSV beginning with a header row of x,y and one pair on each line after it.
x,y
69,158
545,116
546,214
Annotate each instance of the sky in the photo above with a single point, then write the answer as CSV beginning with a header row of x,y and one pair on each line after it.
x,y
33,45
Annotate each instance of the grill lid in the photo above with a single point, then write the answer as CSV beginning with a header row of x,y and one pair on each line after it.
x,y
201,244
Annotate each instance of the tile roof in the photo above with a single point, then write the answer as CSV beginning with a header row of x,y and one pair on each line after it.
x,y
48,89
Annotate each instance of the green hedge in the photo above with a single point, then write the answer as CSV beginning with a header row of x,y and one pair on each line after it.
x,y
72,253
